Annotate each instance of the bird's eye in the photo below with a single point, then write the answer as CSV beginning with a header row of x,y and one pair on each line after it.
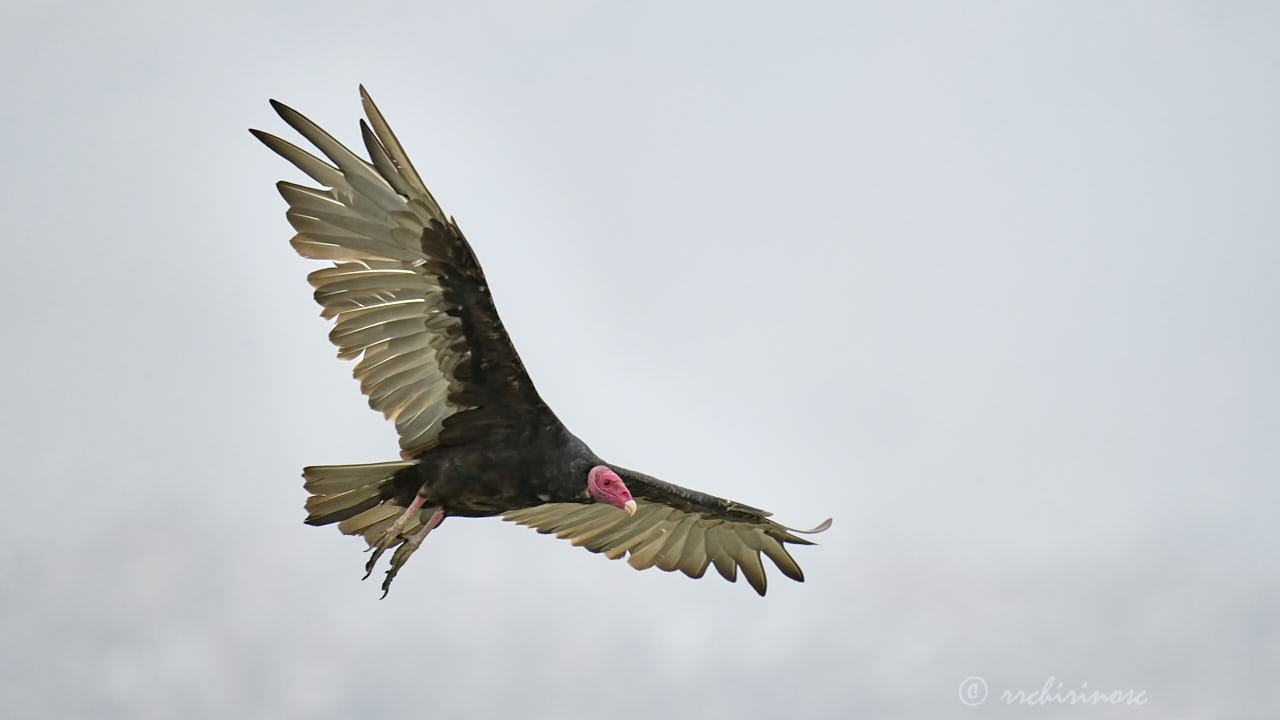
x,y
607,483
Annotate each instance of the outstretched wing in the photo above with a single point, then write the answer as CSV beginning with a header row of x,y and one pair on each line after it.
x,y
407,294
674,528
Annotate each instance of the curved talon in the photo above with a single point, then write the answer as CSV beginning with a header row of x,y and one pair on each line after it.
x,y
407,547
391,536
401,556
378,549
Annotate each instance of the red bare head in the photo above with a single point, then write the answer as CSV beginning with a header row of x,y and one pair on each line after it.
x,y
606,487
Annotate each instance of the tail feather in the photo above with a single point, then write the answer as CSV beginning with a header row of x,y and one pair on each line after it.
x,y
344,492
375,521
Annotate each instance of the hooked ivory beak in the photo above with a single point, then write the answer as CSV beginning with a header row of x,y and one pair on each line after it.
x,y
630,507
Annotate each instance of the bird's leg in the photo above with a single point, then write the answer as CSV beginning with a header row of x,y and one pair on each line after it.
x,y
392,534
409,546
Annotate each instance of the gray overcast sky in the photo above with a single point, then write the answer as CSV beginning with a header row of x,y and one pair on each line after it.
x,y
994,285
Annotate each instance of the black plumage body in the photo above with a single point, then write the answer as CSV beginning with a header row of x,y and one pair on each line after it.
x,y
412,306
486,479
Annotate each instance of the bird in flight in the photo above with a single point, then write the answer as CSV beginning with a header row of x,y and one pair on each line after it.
x,y
411,304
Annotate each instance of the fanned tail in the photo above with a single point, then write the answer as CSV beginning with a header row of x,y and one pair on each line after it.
x,y
361,499
353,495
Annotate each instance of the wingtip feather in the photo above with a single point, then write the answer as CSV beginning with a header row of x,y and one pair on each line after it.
x,y
822,527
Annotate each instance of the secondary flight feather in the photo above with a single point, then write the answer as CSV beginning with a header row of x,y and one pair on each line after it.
x,y
411,306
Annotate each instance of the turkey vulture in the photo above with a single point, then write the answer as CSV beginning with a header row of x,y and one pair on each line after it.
x,y
410,302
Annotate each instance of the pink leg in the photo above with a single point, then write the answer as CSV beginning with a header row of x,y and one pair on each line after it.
x,y
408,547
391,535
405,516
437,517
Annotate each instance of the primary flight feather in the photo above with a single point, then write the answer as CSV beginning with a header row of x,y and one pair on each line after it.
x,y
410,304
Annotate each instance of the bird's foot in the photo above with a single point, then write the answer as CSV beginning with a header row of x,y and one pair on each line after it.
x,y
408,547
391,536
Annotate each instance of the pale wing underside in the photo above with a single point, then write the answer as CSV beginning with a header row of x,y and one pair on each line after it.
x,y
669,538
388,306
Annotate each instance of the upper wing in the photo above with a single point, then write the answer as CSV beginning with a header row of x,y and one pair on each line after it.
x,y
674,528
408,295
